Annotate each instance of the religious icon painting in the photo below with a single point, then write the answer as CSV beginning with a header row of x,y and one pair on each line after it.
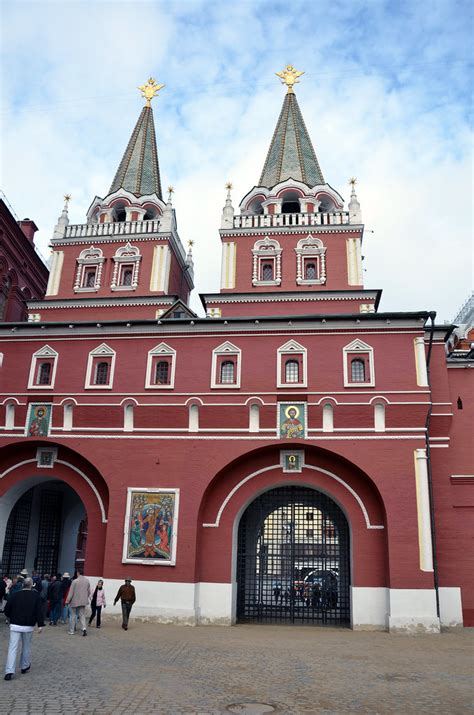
x,y
151,522
292,420
38,421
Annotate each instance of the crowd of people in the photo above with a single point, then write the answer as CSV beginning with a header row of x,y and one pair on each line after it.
x,y
29,601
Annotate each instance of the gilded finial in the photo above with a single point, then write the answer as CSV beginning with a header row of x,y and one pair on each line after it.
x,y
229,186
67,198
289,76
170,192
190,243
149,90
352,181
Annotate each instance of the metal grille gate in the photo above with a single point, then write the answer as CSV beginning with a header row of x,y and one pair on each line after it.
x,y
49,531
16,536
293,559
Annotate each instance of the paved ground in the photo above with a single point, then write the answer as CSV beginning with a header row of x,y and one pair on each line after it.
x,y
203,671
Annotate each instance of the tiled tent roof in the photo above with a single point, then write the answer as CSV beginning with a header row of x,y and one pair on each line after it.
x,y
139,171
291,154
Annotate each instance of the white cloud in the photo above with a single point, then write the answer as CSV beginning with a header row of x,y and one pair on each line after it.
x,y
374,108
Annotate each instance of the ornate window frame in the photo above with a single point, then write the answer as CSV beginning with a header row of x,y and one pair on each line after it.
x,y
220,354
266,249
46,353
127,255
306,249
160,351
295,350
89,258
95,356
357,349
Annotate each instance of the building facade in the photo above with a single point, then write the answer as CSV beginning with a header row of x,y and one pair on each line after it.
x,y
293,456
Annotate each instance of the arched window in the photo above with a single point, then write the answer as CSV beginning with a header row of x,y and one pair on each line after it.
x,y
310,271
292,371
162,372
357,370
267,271
227,372
44,375
102,373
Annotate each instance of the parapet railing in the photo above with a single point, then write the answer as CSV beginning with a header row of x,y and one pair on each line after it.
x,y
119,228
297,219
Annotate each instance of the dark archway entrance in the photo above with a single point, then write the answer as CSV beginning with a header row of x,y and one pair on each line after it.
x,y
45,531
293,561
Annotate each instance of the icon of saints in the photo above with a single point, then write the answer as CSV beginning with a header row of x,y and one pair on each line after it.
x,y
291,427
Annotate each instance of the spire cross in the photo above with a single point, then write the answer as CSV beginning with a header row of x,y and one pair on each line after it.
x,y
149,90
289,76
352,181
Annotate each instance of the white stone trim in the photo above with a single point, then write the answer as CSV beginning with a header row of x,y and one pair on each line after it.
x,y
89,258
450,606
55,274
125,255
71,466
354,347
266,249
228,265
161,350
226,349
174,536
102,350
160,268
369,607
423,510
246,479
292,347
354,261
412,611
310,247
48,353
420,362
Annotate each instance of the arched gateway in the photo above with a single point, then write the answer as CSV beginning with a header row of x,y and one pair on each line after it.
x,y
293,562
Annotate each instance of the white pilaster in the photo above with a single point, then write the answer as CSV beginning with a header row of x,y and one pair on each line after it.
x,y
423,509
55,274
229,253
420,361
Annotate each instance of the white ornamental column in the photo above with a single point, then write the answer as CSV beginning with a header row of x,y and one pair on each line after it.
x,y
423,509
420,359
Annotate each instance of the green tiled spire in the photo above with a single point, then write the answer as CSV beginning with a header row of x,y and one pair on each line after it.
x,y
291,153
139,171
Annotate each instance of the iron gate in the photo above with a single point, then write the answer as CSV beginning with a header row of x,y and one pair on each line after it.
x,y
293,559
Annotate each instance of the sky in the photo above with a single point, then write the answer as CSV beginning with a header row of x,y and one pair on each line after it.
x,y
386,97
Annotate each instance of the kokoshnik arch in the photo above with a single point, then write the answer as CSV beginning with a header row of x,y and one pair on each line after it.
x,y
294,456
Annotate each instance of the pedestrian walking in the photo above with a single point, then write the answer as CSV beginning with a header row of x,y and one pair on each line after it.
x,y
55,594
66,585
97,603
77,599
24,610
44,594
126,594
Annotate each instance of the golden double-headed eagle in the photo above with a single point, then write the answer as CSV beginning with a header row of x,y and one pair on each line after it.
x,y
289,76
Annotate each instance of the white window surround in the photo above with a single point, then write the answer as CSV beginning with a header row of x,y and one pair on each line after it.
x,y
89,258
161,350
45,353
126,255
358,347
306,248
225,350
102,351
266,248
292,348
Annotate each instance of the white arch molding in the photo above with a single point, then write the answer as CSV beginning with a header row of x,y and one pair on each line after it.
x,y
305,466
50,476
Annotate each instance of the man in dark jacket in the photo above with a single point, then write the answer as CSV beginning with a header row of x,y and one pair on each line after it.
x,y
126,594
55,596
24,611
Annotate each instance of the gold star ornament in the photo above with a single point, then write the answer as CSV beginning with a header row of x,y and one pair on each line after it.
x,y
352,181
289,76
149,90
67,198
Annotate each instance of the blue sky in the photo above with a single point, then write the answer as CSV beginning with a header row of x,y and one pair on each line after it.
x,y
386,97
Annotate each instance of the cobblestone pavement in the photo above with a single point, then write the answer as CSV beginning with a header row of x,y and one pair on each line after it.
x,y
204,671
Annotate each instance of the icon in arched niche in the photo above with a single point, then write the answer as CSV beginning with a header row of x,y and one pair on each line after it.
x,y
39,419
292,420
151,526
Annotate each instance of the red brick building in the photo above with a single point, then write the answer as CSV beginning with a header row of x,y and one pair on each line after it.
x,y
295,455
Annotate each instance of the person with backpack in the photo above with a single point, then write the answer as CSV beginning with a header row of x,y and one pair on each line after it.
x,y
24,610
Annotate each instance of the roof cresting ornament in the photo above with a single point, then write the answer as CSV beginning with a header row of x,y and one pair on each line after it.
x,y
289,76
149,90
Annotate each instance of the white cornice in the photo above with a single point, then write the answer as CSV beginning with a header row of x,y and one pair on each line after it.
x,y
293,298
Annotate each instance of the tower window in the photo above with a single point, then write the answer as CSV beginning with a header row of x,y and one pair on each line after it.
x,y
459,403
44,373
101,373
357,371
310,271
162,373
228,372
126,275
89,277
292,371
267,271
